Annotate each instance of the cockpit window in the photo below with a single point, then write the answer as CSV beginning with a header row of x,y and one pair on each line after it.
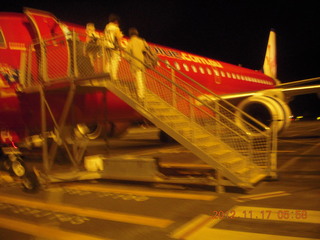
x,y
2,40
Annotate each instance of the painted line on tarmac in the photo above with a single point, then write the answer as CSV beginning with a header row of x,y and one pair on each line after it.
x,y
214,233
149,193
295,159
262,196
43,231
193,226
88,212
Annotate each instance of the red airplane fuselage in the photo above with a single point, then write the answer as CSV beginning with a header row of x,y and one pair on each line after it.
x,y
20,111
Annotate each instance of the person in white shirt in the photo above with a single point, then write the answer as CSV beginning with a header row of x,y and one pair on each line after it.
x,y
113,37
135,51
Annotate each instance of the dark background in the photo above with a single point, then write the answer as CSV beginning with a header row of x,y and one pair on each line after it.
x,y
233,31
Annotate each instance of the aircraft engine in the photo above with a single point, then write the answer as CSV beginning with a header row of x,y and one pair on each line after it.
x,y
94,131
266,109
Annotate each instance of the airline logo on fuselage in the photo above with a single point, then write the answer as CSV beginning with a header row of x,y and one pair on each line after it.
x,y
180,55
187,57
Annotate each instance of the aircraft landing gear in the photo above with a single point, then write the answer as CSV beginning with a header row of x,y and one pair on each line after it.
x,y
12,162
30,182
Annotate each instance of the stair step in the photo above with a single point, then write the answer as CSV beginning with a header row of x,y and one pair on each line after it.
x,y
155,102
251,174
257,178
243,171
202,136
169,120
233,163
247,171
211,145
161,109
171,117
222,153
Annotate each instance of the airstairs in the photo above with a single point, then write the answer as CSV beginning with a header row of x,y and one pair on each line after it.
x,y
241,154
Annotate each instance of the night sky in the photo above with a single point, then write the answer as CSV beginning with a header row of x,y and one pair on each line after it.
x,y
233,31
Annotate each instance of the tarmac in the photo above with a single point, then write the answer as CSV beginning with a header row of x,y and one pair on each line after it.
x,y
285,209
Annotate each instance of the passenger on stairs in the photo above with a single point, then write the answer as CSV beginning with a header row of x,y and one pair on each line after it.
x,y
92,47
113,37
135,49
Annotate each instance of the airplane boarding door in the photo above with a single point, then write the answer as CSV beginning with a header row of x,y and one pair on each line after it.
x,y
51,44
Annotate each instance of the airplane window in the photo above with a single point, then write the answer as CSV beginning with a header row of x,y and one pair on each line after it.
x,y
222,73
167,63
228,74
201,70
194,68
185,66
177,65
209,71
233,76
2,40
216,73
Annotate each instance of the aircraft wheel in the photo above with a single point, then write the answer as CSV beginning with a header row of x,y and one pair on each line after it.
x,y
30,182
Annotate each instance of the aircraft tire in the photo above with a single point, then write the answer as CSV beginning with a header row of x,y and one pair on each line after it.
x,y
30,183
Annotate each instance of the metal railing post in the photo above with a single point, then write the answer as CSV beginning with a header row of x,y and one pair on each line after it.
x,y
23,67
43,62
29,67
74,54
274,149
44,133
174,90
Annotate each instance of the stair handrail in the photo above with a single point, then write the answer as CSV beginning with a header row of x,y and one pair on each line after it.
x,y
204,103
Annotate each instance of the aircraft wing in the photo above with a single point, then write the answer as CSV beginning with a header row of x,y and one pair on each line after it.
x,y
289,90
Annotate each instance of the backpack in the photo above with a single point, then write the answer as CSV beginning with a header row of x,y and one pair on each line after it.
x,y
150,57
